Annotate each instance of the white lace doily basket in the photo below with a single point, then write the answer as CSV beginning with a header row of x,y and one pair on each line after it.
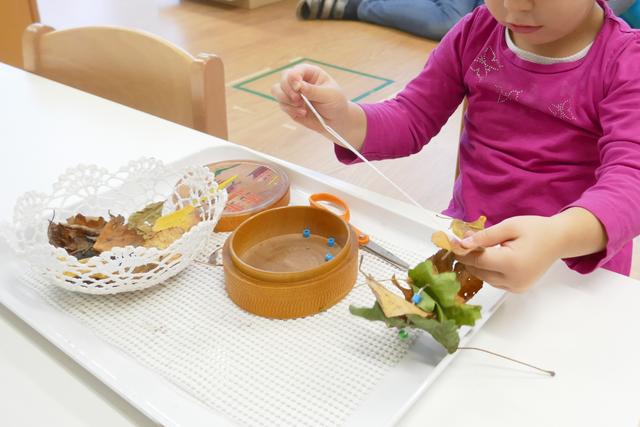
x,y
95,191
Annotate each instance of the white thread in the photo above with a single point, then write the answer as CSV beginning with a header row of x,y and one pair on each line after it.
x,y
356,152
432,222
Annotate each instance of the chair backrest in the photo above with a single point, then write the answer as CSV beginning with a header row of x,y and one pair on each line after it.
x,y
465,106
133,68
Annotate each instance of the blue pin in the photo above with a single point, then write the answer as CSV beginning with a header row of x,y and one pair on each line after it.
x,y
328,257
416,298
331,242
306,233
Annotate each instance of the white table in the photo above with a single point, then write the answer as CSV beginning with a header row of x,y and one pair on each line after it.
x,y
584,327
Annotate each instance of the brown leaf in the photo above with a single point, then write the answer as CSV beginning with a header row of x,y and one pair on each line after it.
x,y
76,241
91,225
469,284
442,261
408,293
116,234
163,239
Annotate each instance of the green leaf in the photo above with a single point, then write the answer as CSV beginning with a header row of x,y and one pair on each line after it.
x,y
427,304
375,313
440,313
421,274
463,314
446,333
143,220
444,286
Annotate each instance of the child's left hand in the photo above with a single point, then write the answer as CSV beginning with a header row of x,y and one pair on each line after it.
x,y
518,251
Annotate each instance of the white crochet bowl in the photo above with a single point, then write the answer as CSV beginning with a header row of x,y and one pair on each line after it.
x,y
94,191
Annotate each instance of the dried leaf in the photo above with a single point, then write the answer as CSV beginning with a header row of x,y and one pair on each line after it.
x,y
91,225
392,305
469,284
76,241
407,292
117,234
441,240
442,261
184,218
144,268
460,228
163,239
375,313
143,220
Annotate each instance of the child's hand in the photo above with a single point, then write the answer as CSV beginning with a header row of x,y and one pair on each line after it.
x,y
518,251
320,88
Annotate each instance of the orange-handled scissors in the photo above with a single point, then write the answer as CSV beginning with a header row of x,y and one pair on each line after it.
x,y
340,208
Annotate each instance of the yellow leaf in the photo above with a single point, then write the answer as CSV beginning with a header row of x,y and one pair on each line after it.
x,y
392,305
441,240
142,221
163,239
184,218
460,228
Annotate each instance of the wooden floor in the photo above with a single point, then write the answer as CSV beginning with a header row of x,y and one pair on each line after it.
x,y
252,42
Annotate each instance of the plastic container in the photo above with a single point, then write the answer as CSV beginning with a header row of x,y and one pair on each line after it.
x,y
253,187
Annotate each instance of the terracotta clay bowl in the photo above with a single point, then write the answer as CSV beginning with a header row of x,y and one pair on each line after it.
x,y
272,270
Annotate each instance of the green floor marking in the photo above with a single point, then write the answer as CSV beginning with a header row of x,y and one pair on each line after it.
x,y
242,85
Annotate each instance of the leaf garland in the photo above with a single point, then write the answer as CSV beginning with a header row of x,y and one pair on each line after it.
x,y
441,287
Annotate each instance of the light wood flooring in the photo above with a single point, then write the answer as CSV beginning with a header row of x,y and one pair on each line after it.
x,y
253,42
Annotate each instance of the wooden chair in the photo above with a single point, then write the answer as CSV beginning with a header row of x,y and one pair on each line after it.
x,y
465,105
133,68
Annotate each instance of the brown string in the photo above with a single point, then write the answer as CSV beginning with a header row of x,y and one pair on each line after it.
x,y
546,371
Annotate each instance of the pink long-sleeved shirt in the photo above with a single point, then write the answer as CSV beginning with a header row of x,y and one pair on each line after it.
x,y
538,138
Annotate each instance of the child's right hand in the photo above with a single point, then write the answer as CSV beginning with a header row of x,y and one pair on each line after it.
x,y
320,88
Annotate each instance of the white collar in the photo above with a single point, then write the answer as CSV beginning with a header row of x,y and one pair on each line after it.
x,y
539,59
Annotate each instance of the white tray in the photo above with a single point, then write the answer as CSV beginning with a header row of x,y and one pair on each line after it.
x,y
388,396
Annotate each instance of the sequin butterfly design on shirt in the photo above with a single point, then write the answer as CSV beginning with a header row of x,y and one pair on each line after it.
x,y
562,110
506,95
486,63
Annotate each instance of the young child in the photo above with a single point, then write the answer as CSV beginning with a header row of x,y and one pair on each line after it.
x,y
426,18
550,151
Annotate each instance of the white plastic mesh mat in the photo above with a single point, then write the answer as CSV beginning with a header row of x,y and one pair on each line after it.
x,y
313,371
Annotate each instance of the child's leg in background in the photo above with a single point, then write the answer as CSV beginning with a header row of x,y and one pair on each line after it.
x,y
635,263
427,18
620,6
632,15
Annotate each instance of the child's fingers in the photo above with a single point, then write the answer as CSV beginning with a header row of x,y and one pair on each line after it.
x,y
494,258
494,278
319,93
294,112
302,75
491,236
308,73
286,85
282,98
